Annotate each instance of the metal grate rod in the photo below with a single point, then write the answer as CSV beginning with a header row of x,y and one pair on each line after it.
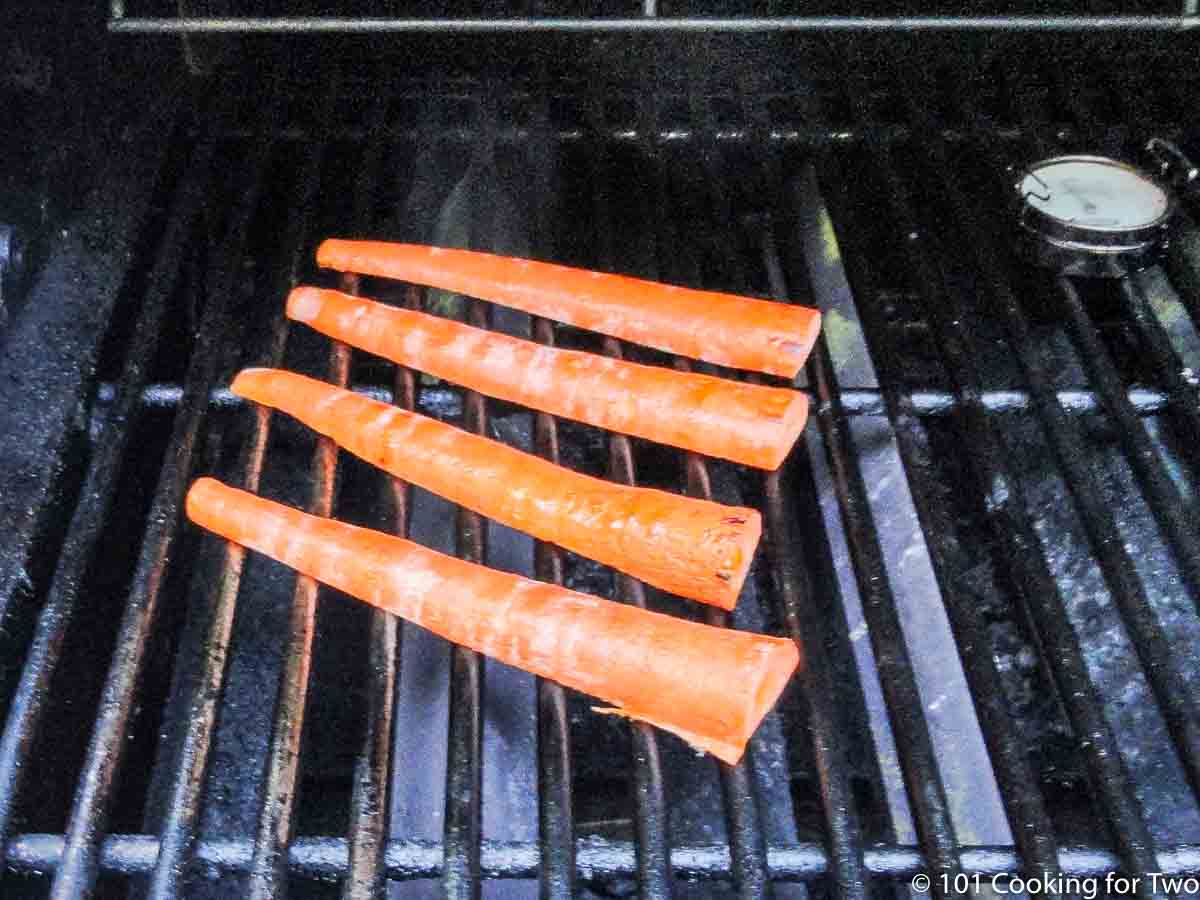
x,y
325,858
369,800
923,782
76,874
556,817
556,812
680,25
268,872
1120,573
464,767
650,805
1177,519
178,830
87,524
747,845
861,401
1038,590
918,762
1181,383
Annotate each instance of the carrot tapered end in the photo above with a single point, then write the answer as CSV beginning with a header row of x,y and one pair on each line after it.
x,y
791,424
797,350
329,253
744,535
778,660
304,303
204,499
249,383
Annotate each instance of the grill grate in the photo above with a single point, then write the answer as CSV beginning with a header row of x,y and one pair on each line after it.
x,y
971,373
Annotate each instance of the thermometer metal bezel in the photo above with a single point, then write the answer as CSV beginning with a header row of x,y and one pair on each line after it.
x,y
1101,240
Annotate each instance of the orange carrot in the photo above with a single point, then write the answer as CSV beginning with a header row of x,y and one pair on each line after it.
x,y
711,686
743,332
684,545
747,423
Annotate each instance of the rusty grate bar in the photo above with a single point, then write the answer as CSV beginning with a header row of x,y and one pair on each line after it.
x,y
178,831
87,523
76,874
369,800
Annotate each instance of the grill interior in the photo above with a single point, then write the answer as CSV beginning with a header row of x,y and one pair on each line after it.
x,y
985,544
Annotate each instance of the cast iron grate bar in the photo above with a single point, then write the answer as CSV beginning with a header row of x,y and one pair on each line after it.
x,y
918,760
1038,590
268,873
1030,825
798,134
799,612
926,402
1180,382
96,497
178,831
369,802
654,860
556,810
464,768
652,823
1173,514
325,858
845,842
1150,641
76,873
747,846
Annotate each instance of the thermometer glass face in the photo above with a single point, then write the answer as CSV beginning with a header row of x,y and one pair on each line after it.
x,y
1094,194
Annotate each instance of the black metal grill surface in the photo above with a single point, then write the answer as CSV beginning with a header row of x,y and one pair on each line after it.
x,y
985,544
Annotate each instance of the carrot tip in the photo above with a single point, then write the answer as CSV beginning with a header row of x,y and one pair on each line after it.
x,y
795,417
796,351
328,248
780,661
245,380
726,597
304,304
200,489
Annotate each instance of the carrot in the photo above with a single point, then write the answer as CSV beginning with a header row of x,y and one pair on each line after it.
x,y
711,686
691,547
747,423
742,332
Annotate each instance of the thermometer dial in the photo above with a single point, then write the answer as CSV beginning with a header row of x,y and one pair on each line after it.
x,y
1095,193
1093,215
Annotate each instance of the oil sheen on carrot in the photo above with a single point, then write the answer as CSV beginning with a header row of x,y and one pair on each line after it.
x,y
747,423
726,329
711,686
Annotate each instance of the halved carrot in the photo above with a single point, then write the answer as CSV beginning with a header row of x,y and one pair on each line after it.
x,y
727,329
711,686
747,423
684,545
